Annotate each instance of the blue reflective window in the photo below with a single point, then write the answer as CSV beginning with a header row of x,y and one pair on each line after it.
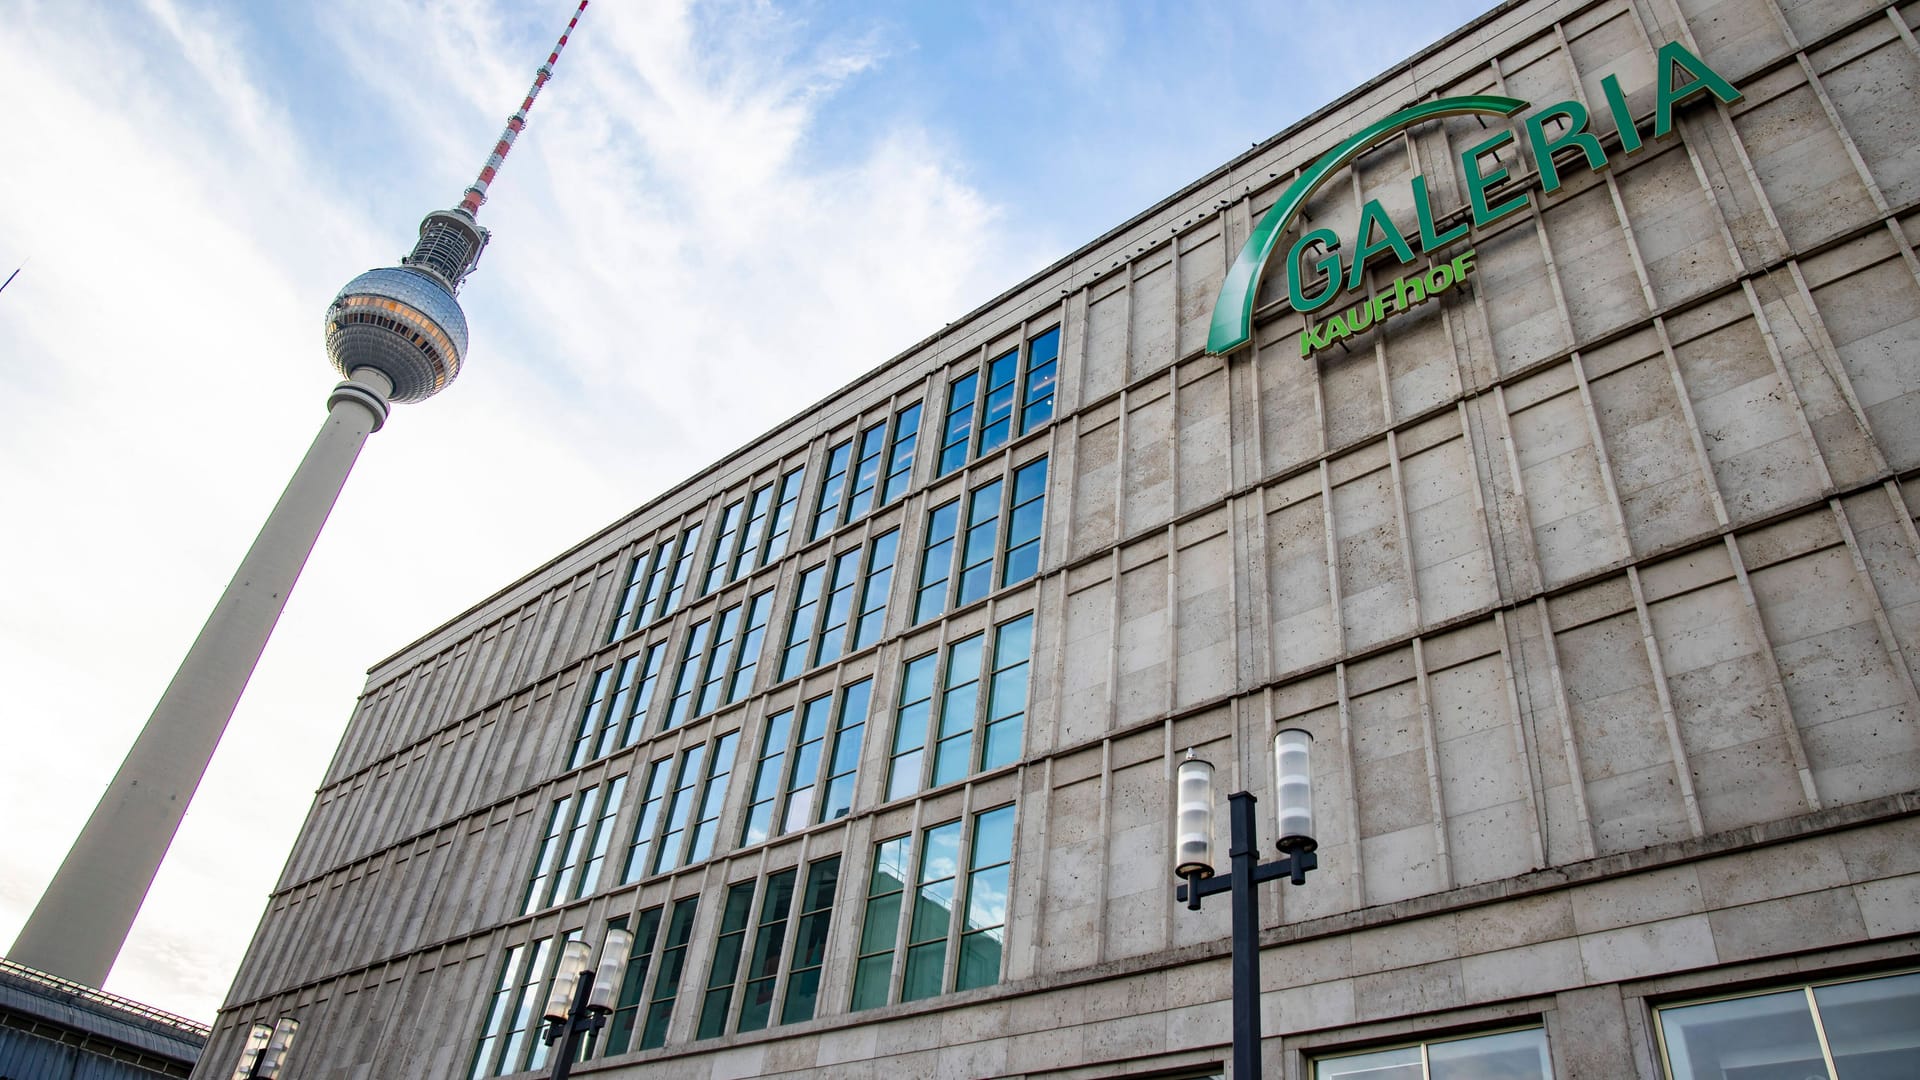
x,y
1043,355
978,545
906,435
721,560
957,431
826,512
783,515
996,423
936,561
866,472
1023,528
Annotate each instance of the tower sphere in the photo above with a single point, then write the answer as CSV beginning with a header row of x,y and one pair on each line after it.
x,y
403,323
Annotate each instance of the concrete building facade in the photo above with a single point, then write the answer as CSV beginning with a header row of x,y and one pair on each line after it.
x,y
1595,577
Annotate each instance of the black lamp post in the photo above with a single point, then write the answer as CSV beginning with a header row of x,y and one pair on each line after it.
x,y
581,997
1194,861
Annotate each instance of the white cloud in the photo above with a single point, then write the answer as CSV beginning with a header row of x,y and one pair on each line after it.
x,y
670,271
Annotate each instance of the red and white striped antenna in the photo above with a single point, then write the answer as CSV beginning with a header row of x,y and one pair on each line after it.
x,y
477,193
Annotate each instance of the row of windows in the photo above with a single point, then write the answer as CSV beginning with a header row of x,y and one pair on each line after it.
x,y
839,606
808,762
934,920
867,471
1855,1029
952,932
1019,397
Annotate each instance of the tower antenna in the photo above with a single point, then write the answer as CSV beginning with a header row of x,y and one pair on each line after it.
x,y
476,194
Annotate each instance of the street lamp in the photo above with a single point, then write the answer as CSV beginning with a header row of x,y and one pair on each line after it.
x,y
266,1050
1193,861
582,997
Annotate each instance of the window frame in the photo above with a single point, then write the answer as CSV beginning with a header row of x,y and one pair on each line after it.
x,y
908,905
986,710
1807,989
968,431
952,524
695,801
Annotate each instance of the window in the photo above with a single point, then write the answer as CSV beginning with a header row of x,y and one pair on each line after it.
x,y
673,961
579,830
1018,398
759,512
821,633
1506,1055
953,901
691,818
936,561
1023,523
957,431
616,708
873,969
759,612
509,1041
629,598
1036,404
593,717
961,722
725,970
710,666
626,1007
1864,1028
873,594
769,938
906,435
682,568
640,598
832,635
772,810
826,512
810,942
721,561
644,829
866,471
692,656
958,569
871,469
806,611
783,516
996,426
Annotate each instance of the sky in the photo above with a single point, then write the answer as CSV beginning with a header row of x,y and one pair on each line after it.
x,y
718,212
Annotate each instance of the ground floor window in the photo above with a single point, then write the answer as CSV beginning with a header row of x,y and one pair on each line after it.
x,y
1505,1055
1861,1029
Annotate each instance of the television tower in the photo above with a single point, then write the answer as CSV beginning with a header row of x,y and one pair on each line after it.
x,y
398,335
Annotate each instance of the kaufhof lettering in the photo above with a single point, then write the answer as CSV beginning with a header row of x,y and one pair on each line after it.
x,y
1318,271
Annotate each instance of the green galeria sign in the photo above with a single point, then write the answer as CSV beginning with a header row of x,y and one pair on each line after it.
x,y
1319,251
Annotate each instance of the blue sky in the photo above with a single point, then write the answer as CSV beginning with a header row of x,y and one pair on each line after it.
x,y
719,211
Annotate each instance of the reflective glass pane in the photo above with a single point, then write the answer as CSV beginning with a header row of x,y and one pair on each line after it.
x,y
924,964
1754,1038
1400,1064
1510,1055
883,919
979,960
1873,1027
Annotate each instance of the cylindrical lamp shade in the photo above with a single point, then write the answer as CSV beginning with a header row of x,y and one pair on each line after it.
x,y
566,981
1193,826
275,1055
250,1053
1293,774
606,979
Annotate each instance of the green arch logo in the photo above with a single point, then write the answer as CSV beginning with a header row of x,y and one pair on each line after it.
x,y
1232,324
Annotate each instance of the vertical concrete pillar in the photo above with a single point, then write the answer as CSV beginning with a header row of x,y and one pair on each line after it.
x,y
82,920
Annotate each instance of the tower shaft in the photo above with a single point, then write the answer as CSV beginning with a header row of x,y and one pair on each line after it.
x,y
82,920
